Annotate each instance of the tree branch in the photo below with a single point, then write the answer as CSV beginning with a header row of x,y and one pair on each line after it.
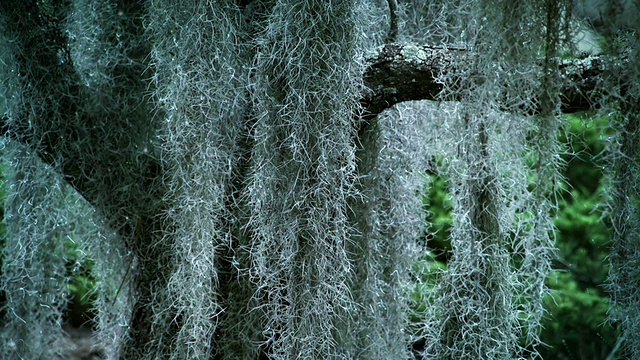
x,y
403,73
396,74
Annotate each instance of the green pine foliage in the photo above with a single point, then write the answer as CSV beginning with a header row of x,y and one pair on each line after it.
x,y
576,325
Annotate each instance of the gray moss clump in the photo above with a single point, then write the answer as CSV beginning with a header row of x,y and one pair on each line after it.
x,y
236,202
308,81
488,303
34,258
389,219
624,170
200,89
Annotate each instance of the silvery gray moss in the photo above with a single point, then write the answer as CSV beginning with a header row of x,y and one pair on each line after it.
x,y
240,206
624,161
33,267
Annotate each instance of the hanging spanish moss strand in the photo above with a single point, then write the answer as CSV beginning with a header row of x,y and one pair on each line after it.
x,y
199,88
34,274
103,52
307,87
38,221
83,108
28,328
625,249
535,223
624,280
501,235
476,300
98,103
390,218
434,22
111,269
